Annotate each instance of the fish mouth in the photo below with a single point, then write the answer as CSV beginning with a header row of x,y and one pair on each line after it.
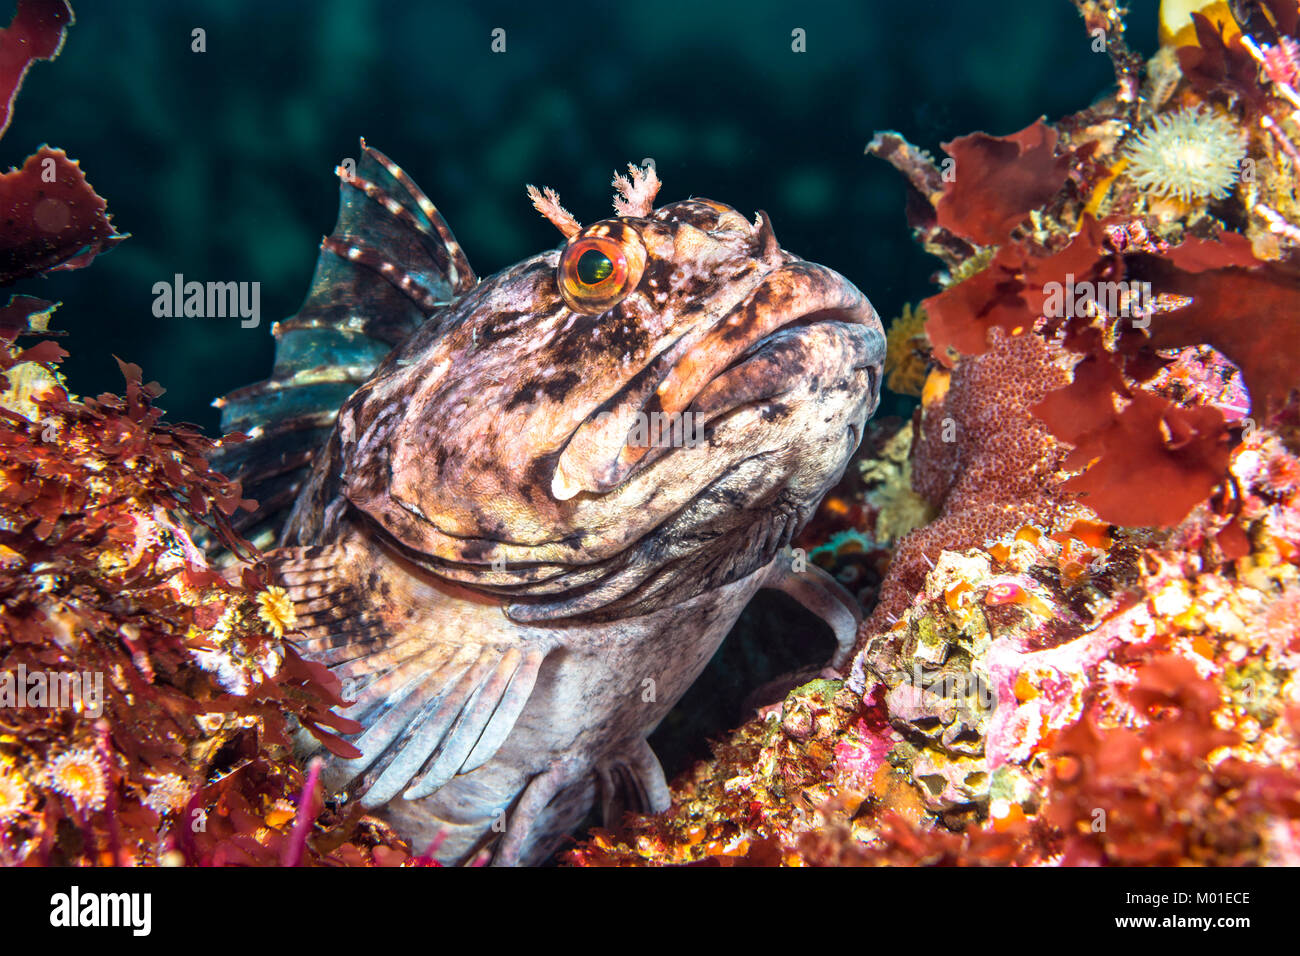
x,y
802,320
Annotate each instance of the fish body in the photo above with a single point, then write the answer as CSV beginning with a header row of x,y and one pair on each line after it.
x,y
536,519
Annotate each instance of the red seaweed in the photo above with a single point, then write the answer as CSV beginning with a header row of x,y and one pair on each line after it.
x,y
35,33
996,181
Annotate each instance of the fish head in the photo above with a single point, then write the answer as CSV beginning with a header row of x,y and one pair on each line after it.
x,y
653,408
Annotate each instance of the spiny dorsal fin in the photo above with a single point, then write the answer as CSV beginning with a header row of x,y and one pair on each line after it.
x,y
389,264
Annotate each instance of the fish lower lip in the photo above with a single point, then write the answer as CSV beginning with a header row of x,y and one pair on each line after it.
x,y
821,317
775,375
842,316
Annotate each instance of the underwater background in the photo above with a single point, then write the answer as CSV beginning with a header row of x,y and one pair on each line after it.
x,y
220,164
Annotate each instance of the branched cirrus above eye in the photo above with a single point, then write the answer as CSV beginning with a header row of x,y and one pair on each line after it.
x,y
596,272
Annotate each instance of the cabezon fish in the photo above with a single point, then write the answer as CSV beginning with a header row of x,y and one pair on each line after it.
x,y
520,536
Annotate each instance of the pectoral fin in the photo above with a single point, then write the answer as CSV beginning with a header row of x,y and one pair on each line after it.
x,y
632,782
824,596
431,706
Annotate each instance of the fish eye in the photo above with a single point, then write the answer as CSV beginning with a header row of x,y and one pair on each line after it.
x,y
593,267
597,272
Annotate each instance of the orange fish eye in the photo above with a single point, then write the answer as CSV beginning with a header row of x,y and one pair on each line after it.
x,y
596,272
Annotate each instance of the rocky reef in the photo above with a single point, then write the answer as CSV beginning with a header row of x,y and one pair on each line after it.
x,y
1084,649
1095,695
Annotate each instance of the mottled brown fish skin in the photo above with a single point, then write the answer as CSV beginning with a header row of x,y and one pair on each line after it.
x,y
482,546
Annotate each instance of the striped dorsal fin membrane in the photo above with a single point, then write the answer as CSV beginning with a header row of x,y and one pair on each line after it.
x,y
390,263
